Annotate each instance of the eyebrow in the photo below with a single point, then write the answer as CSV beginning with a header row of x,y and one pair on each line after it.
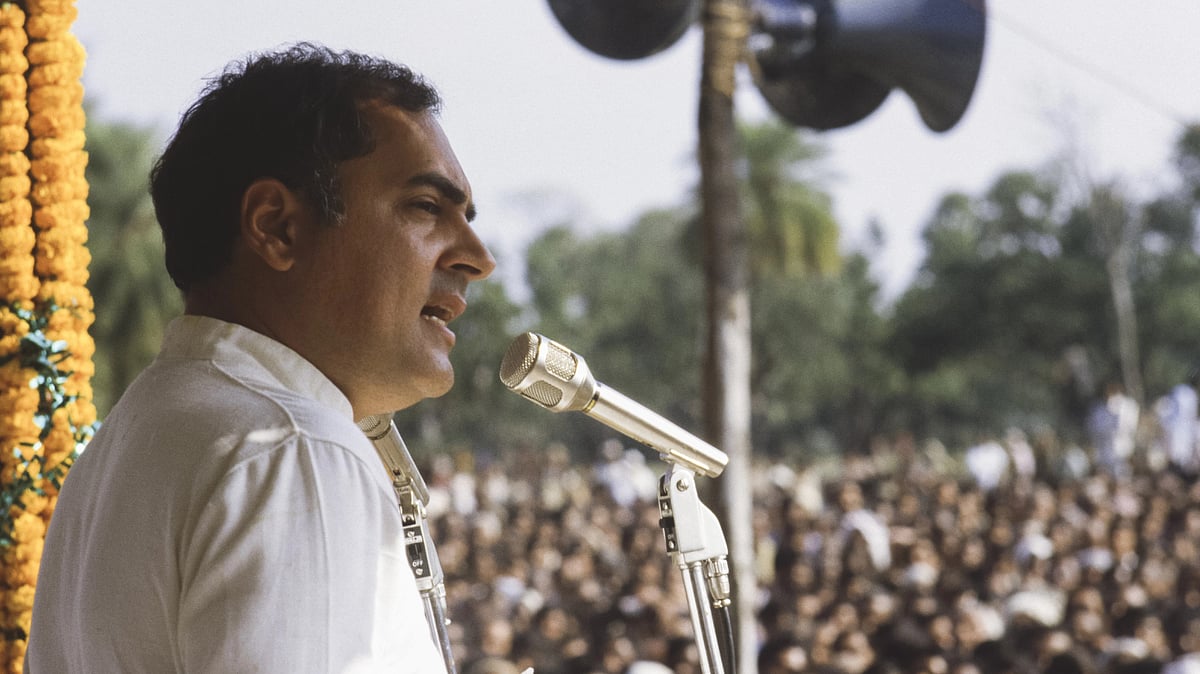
x,y
448,189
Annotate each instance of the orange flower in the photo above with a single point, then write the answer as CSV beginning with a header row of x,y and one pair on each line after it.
x,y
24,572
56,96
12,163
28,527
16,241
20,600
70,141
34,503
16,424
57,191
61,49
60,72
55,121
66,166
19,286
11,16
46,26
14,187
58,445
11,324
13,113
13,266
13,86
13,38
41,116
16,396
65,238
66,295
83,412
50,6
13,138
13,62
16,213
66,214
66,266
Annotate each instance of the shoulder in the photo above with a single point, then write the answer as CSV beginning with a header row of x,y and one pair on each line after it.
x,y
188,427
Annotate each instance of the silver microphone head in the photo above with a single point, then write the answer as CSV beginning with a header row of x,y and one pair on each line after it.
x,y
375,425
548,373
394,453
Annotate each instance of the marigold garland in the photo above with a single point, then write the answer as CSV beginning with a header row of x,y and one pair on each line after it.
x,y
46,413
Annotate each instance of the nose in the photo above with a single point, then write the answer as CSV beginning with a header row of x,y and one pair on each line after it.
x,y
470,256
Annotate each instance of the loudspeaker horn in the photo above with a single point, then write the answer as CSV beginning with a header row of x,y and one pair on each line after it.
x,y
625,29
826,64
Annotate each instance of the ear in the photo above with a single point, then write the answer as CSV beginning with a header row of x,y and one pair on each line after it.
x,y
271,216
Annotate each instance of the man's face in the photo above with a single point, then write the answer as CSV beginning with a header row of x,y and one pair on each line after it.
x,y
387,280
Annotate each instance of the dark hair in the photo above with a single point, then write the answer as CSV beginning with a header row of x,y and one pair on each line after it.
x,y
292,115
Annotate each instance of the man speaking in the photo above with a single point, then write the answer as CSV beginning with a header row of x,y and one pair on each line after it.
x,y
230,516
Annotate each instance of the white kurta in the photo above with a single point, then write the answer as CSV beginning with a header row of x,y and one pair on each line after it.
x,y
229,516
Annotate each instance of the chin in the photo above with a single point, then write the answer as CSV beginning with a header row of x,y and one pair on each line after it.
x,y
420,387
438,393
440,385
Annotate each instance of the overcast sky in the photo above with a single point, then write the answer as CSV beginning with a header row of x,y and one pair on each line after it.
x,y
546,130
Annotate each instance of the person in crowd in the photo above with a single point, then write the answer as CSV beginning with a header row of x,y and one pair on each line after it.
x,y
1085,573
1112,425
230,516
988,462
1178,417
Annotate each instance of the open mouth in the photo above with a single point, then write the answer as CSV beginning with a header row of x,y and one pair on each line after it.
x,y
437,315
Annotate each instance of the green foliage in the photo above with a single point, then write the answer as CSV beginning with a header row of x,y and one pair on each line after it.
x,y
820,370
134,296
995,306
1187,160
789,218
43,356
1010,320
632,304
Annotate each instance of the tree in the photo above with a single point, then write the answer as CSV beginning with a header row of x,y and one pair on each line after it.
x,y
792,231
823,381
1168,280
1116,226
1187,160
1032,294
629,302
998,301
134,296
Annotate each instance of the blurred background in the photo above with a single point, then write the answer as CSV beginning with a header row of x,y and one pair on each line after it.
x,y
918,299
934,283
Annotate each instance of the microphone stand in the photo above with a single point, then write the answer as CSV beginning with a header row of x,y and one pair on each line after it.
x,y
412,495
426,567
696,543
556,378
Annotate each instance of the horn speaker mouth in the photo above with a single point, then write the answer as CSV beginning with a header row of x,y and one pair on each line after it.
x,y
825,64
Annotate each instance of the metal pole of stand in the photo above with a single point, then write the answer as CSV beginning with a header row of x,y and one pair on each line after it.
x,y
413,495
696,543
427,570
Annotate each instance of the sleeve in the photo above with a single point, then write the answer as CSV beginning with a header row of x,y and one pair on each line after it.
x,y
297,564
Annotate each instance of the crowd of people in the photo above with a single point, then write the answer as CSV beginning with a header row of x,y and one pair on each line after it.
x,y
905,560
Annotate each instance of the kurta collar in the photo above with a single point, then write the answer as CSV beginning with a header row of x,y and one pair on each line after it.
x,y
253,353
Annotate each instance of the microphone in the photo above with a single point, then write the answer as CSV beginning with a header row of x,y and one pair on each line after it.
x,y
381,430
551,375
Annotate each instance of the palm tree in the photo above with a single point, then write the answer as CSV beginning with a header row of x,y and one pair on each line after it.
x,y
789,219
